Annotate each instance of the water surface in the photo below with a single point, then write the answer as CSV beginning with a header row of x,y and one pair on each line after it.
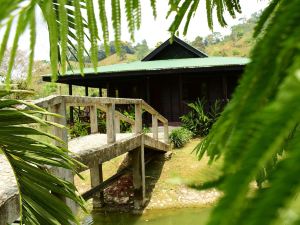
x,y
187,216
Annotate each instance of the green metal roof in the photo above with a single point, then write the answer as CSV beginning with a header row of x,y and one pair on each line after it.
x,y
167,64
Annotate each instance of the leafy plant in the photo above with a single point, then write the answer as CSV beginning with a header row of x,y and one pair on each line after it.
x,y
29,157
130,113
199,119
180,136
79,129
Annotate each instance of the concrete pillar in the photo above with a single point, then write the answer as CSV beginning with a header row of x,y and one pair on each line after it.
x,y
96,172
62,134
166,133
110,128
138,173
154,127
117,124
138,127
93,119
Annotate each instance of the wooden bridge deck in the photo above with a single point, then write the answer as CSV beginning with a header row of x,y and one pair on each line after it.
x,y
93,149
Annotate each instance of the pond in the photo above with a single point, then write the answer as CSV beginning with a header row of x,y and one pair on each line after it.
x,y
186,216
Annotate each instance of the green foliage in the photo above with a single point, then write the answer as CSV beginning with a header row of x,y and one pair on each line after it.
x,y
253,129
130,113
67,28
29,157
201,117
185,9
79,129
180,136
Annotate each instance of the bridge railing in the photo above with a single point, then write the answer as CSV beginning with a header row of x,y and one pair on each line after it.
x,y
60,104
113,117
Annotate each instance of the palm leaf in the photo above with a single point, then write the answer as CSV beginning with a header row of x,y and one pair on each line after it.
x,y
29,156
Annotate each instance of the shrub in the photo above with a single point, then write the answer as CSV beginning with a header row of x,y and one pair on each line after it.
x,y
201,117
79,129
180,136
130,113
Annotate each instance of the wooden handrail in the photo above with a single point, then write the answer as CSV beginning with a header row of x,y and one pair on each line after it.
x,y
102,102
152,111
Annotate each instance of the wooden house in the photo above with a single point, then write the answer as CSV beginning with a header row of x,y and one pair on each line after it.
x,y
171,76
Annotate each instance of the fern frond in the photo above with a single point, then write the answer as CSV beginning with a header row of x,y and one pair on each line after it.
x,y
180,15
79,34
116,21
137,13
153,6
220,12
93,32
192,11
265,16
130,17
254,125
104,25
209,9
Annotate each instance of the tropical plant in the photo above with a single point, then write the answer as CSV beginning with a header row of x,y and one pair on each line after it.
x,y
256,124
180,136
79,129
201,117
30,158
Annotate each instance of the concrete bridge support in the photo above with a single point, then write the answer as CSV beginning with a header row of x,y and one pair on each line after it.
x,y
138,173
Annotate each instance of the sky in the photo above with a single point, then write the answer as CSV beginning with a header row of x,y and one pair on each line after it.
x,y
152,30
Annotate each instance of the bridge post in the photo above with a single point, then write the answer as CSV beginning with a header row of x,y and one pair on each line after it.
x,y
62,134
154,127
96,172
117,124
138,163
110,127
166,133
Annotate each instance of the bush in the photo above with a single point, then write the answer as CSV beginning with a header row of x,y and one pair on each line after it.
x,y
79,129
180,136
201,117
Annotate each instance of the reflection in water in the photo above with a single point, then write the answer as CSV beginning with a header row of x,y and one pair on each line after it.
x,y
189,216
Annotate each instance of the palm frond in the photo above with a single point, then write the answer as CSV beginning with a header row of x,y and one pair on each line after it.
x,y
63,18
32,27
93,32
79,34
104,24
116,21
29,158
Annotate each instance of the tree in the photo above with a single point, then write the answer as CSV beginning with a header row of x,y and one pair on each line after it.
x,y
213,38
198,43
141,49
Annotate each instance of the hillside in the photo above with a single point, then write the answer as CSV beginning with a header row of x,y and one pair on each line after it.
x,y
238,43
116,59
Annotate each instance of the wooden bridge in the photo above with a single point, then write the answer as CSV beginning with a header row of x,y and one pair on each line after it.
x,y
95,149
